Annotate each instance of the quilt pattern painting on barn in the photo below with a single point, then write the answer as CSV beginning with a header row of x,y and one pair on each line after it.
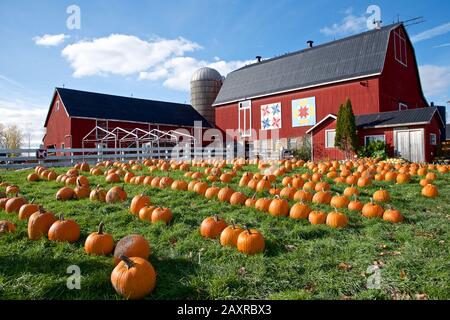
x,y
222,163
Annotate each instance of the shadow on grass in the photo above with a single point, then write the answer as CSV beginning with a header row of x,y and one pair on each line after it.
x,y
173,279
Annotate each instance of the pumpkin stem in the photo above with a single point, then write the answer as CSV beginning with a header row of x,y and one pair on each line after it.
x,y
216,217
32,201
233,224
247,229
100,228
41,209
61,217
130,264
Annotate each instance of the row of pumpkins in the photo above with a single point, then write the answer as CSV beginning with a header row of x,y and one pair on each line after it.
x,y
133,276
260,183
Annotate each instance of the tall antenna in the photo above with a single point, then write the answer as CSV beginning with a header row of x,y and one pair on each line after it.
x,y
413,21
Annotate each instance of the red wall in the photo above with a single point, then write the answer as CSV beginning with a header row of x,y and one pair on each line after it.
x,y
318,143
58,126
328,99
399,83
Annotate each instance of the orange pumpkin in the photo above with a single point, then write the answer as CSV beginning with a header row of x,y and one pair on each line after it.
x,y
381,196
372,210
64,231
225,194
317,217
145,214
99,243
14,204
279,207
212,227
98,194
392,215
133,278
303,195
229,235
350,191
160,214
322,197
336,219
355,205
300,211
339,201
430,191
237,198
27,210
138,202
262,204
250,241
116,194
65,193
39,223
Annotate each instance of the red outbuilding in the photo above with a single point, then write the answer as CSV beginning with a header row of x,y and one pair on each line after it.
x,y
79,119
298,95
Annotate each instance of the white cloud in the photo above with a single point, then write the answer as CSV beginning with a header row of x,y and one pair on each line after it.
x,y
442,45
11,81
350,24
431,33
50,40
158,59
177,72
27,115
435,81
120,54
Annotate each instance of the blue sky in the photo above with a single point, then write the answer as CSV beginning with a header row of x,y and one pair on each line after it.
x,y
149,49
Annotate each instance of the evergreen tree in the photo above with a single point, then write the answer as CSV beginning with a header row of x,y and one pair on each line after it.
x,y
346,138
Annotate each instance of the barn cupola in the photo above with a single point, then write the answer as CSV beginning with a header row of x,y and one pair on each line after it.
x,y
310,43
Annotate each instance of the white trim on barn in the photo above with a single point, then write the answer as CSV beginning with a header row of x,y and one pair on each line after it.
x,y
320,122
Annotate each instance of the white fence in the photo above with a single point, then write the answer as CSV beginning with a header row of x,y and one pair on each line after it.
x,y
26,158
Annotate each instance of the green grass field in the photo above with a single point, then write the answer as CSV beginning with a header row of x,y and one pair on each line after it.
x,y
301,261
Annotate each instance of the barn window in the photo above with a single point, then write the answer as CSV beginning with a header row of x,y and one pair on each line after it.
x,y
245,118
402,106
57,105
400,47
329,138
369,139
433,141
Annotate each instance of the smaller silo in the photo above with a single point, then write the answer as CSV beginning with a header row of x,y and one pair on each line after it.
x,y
205,86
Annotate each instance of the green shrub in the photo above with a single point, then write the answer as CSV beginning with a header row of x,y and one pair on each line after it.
x,y
375,149
303,149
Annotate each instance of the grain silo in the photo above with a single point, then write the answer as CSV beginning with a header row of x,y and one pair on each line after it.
x,y
205,86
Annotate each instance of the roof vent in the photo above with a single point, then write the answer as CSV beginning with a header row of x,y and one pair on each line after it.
x,y
258,58
310,43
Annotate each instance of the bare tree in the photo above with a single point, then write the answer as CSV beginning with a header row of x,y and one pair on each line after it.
x,y
2,139
11,137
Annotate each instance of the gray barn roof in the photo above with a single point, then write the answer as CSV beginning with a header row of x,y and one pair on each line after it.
x,y
396,118
352,57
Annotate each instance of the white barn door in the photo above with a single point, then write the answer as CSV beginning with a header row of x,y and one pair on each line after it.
x,y
409,144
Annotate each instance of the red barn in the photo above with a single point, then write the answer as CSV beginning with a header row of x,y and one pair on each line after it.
x,y
299,95
73,114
